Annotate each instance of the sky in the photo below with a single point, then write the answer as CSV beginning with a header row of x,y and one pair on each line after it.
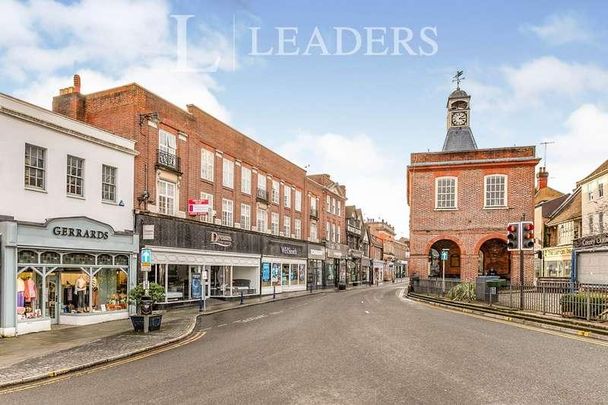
x,y
536,72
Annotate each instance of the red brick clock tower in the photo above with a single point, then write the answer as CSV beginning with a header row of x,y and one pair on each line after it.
x,y
462,198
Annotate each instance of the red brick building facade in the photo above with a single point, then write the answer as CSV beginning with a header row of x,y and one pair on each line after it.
x,y
190,151
462,199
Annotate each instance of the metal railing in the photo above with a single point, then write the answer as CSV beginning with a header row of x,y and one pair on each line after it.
x,y
168,160
262,195
565,298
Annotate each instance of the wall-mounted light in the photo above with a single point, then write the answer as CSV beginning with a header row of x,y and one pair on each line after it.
x,y
121,203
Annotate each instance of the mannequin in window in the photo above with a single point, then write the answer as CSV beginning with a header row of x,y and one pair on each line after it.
x,y
95,291
30,292
80,290
20,294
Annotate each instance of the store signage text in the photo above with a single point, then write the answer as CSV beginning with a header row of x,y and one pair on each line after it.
x,y
220,239
590,241
288,250
354,230
79,233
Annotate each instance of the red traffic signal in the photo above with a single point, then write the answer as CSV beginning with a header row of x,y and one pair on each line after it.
x,y
527,237
513,236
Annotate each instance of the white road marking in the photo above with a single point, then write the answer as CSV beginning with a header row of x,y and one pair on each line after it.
x,y
224,324
276,313
367,312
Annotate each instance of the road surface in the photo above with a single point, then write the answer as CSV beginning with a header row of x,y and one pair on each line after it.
x,y
363,346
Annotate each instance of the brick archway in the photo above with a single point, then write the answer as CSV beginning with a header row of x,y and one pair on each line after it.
x,y
451,238
493,235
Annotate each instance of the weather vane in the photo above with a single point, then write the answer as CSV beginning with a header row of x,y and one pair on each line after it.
x,y
458,77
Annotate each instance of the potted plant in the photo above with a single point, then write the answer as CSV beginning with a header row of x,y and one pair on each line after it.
x,y
144,304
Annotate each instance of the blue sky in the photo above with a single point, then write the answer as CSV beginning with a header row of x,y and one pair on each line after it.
x,y
535,70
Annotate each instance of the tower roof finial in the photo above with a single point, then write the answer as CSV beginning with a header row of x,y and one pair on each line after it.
x,y
458,77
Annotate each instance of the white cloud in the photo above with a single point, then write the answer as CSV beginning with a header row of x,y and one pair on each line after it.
x,y
549,76
562,29
579,149
374,175
109,43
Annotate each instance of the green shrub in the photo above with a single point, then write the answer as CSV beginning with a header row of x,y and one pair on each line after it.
x,y
462,292
155,291
576,304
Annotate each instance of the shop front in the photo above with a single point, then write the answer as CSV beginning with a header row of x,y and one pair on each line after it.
x,y
283,266
591,256
335,265
354,274
557,262
316,257
365,270
191,258
378,269
73,271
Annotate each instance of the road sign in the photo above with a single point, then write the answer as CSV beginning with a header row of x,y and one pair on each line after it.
x,y
444,254
145,258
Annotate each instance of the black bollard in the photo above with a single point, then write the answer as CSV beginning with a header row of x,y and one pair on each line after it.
x,y
274,292
241,298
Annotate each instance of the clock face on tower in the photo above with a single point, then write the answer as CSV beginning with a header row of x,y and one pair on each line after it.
x,y
459,118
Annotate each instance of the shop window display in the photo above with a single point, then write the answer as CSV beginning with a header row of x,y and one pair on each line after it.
x,y
293,276
301,274
75,287
177,282
110,290
285,275
29,288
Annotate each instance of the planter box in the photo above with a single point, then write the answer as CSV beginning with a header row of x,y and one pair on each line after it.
x,y
154,322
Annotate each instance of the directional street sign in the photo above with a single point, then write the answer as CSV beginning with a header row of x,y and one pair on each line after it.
x,y
444,254
146,259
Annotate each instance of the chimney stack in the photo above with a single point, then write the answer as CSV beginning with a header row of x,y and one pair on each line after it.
x,y
70,102
543,178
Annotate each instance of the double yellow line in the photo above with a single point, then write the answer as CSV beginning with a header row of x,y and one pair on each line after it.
x,y
60,375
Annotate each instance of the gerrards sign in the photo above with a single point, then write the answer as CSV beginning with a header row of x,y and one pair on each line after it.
x,y
80,233
591,241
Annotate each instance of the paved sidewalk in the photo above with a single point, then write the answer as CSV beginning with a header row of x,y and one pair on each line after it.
x,y
40,355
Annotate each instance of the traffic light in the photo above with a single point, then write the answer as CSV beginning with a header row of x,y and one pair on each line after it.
x,y
527,235
513,236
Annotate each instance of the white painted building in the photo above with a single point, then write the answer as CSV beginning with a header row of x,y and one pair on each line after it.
x,y
68,251
592,248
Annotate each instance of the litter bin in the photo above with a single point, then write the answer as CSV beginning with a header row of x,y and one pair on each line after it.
x,y
492,287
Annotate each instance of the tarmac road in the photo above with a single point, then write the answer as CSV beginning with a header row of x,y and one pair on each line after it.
x,y
363,346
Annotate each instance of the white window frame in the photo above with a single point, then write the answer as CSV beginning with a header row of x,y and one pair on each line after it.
x,y
262,183
287,226
274,223
437,180
210,216
108,183
333,205
298,201
75,177
167,142
313,231
245,180
170,200
246,216
228,173
207,164
227,212
313,202
338,235
327,231
40,171
333,232
485,190
328,203
262,220
275,194
297,228
287,196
